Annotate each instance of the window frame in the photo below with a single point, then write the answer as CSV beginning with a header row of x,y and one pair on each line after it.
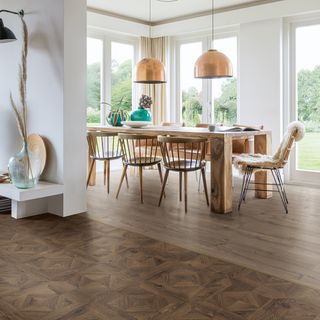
x,y
291,173
205,39
106,76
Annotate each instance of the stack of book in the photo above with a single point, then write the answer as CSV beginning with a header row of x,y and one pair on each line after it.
x,y
5,205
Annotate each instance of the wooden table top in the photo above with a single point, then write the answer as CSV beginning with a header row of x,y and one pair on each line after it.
x,y
185,131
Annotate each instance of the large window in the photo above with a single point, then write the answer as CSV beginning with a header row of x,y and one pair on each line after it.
x,y
206,101
190,88
224,91
121,65
94,74
307,66
109,76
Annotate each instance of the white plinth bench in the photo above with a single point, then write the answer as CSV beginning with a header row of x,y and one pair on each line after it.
x,y
29,202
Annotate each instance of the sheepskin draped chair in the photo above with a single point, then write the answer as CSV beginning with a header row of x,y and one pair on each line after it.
x,y
251,163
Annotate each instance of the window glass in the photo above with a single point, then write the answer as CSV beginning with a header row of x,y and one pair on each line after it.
x,y
308,96
121,77
191,88
224,91
94,67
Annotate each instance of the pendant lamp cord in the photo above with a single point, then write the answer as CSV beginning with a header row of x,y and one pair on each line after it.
x,y
212,24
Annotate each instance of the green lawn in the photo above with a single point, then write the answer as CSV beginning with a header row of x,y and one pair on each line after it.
x,y
309,152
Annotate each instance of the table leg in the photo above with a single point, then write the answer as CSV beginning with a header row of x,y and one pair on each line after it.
x,y
262,145
221,174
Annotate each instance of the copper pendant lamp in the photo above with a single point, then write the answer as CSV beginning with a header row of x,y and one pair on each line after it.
x,y
150,70
213,64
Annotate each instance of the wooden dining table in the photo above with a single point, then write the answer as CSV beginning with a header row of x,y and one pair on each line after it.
x,y
221,156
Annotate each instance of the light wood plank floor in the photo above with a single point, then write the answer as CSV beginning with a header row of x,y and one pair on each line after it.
x,y
262,237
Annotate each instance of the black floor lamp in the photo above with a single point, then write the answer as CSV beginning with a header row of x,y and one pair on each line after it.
x,y
6,35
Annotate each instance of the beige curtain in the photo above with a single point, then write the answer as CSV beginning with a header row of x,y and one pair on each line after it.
x,y
155,48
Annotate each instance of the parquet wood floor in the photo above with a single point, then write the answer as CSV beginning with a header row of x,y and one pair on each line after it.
x,y
79,268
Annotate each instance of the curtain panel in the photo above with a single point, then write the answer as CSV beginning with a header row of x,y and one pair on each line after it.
x,y
155,48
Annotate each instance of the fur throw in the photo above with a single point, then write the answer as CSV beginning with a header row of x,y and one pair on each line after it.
x,y
261,162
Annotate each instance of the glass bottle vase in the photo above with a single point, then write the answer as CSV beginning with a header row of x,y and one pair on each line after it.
x,y
25,168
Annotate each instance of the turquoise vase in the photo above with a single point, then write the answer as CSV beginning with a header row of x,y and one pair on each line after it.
x,y
25,168
141,115
115,119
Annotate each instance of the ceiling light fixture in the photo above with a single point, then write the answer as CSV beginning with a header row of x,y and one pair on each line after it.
x,y
6,35
150,70
213,64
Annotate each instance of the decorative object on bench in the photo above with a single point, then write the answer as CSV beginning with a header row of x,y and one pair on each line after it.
x,y
24,168
4,177
250,163
37,146
142,114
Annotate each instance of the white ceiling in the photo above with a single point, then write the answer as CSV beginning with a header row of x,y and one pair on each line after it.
x,y
139,9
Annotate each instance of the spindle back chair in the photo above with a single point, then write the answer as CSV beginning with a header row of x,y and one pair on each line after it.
x,y
183,155
103,146
139,151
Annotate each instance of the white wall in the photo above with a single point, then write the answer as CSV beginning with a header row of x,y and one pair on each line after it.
x,y
98,21
45,65
261,75
56,91
274,10
75,122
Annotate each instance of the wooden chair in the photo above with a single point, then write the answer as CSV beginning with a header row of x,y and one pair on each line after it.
x,y
139,151
175,158
244,145
103,146
251,163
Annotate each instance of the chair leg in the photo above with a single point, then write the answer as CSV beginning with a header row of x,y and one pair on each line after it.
x,y
160,175
180,186
247,184
104,172
124,172
199,183
163,186
242,189
185,191
90,171
126,176
127,182
282,185
108,176
203,172
141,183
278,184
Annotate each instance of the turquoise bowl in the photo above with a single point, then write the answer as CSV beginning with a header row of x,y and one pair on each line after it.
x,y
141,115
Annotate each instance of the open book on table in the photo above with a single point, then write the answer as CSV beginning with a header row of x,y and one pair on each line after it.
x,y
236,128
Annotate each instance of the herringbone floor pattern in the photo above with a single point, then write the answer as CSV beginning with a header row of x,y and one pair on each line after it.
x,y
78,268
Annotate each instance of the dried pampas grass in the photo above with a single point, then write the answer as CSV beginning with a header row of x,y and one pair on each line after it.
x,y
20,112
